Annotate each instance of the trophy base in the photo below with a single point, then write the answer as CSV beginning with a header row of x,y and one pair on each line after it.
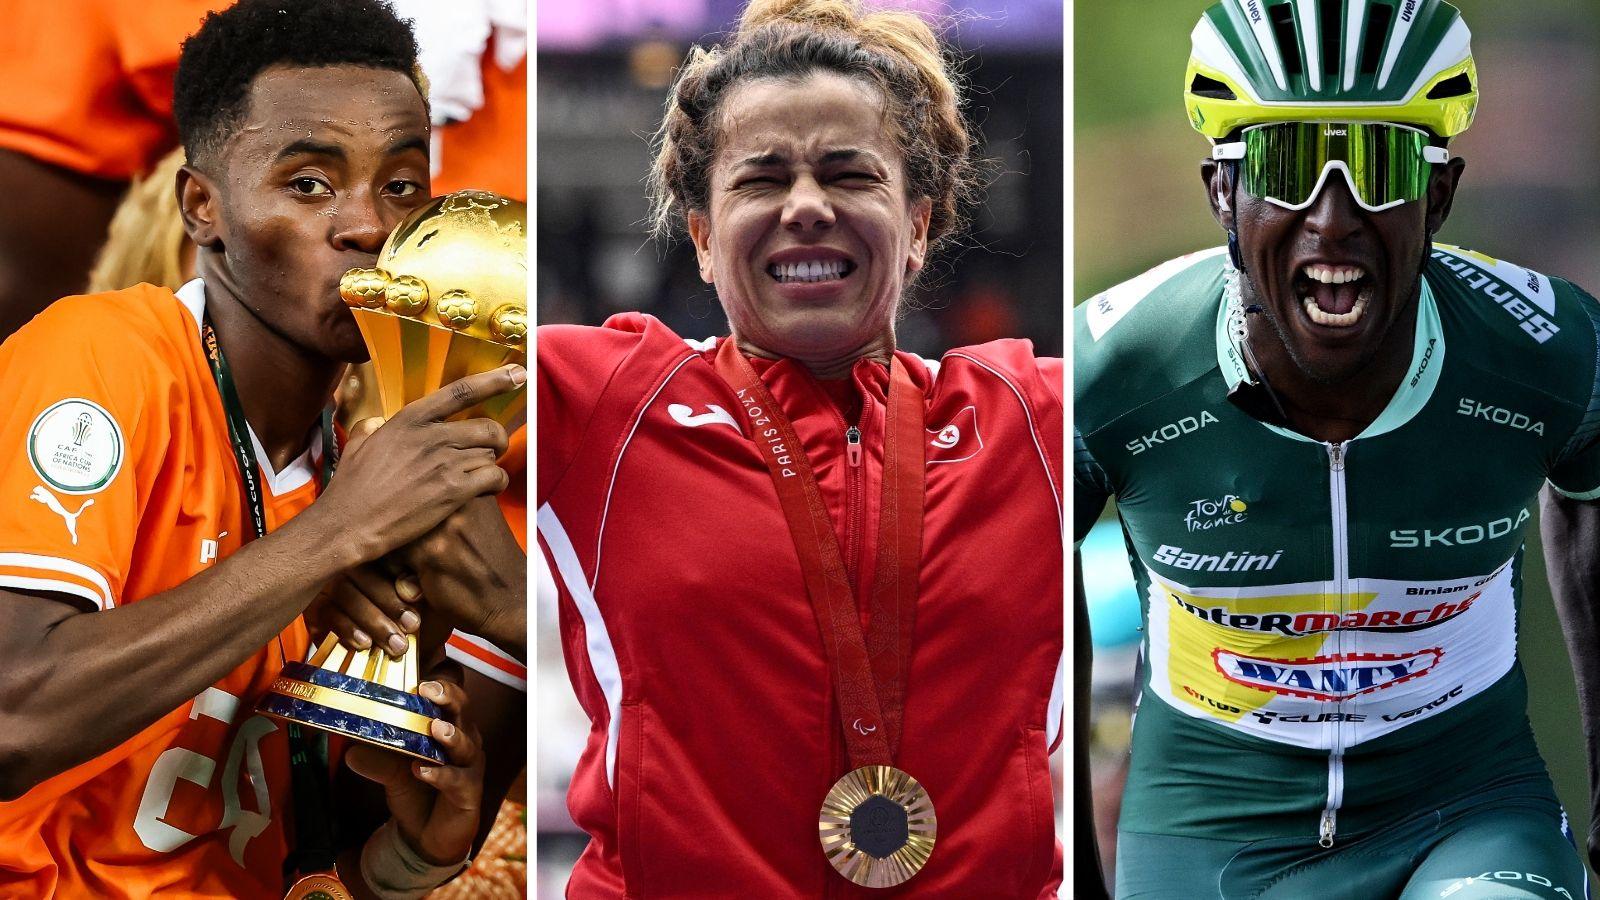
x,y
354,707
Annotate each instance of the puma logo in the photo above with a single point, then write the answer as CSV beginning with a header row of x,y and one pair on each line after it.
x,y
49,499
684,415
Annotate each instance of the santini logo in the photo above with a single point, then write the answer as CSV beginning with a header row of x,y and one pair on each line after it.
x,y
1170,432
1178,558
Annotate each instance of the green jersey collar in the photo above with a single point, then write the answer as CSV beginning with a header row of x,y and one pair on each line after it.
x,y
1427,358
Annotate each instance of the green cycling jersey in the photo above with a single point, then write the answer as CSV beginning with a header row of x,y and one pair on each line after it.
x,y
1330,628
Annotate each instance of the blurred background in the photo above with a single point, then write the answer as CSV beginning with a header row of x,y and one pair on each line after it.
x,y
603,72
1530,194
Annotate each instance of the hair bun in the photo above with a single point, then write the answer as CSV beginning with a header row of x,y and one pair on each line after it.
x,y
840,14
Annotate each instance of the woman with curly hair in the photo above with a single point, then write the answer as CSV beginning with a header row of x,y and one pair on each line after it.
x,y
809,585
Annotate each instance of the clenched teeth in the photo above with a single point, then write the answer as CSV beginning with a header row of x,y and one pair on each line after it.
x,y
1332,274
810,270
1336,320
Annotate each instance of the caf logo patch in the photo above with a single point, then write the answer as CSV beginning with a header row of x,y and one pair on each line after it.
x,y
76,447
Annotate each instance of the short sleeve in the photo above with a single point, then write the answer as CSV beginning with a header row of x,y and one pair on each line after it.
x,y
1576,471
486,659
76,457
1577,476
1091,488
89,85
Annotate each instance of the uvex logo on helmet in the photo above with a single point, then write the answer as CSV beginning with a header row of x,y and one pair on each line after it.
x,y
1254,62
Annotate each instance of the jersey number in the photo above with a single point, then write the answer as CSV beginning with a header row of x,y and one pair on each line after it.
x,y
178,763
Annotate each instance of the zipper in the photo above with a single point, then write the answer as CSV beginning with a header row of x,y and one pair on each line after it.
x,y
854,492
854,475
1341,575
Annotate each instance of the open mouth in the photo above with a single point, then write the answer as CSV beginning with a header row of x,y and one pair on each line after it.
x,y
813,271
1333,296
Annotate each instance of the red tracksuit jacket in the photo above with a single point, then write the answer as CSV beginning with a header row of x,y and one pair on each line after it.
x,y
693,647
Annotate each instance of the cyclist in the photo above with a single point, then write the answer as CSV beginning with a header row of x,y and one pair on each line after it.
x,y
1325,441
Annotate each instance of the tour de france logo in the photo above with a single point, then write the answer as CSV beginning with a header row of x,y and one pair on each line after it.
x,y
76,447
1204,515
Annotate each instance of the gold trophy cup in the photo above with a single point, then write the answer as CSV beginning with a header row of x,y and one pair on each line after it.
x,y
448,299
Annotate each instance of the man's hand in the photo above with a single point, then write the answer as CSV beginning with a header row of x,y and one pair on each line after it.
x,y
371,606
473,576
468,573
472,571
436,808
418,468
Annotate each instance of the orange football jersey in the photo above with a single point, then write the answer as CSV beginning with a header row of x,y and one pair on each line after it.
x,y
489,151
119,482
89,83
88,87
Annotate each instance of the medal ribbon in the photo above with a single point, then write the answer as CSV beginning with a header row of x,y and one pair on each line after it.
x,y
868,671
313,849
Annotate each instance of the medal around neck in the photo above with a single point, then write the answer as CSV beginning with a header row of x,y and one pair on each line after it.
x,y
448,300
319,887
877,826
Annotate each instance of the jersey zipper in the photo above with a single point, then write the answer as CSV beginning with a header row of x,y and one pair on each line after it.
x,y
855,491
1341,574
853,501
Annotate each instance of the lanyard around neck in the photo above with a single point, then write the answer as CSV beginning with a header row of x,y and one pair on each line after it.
x,y
868,670
313,847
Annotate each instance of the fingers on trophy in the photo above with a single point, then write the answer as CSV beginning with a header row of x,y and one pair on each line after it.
x,y
447,299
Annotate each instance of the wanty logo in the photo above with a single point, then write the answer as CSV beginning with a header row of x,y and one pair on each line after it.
x,y
1330,678
1204,515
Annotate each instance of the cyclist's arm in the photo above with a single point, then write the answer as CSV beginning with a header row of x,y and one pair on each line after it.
x,y
1571,532
1089,880
1091,490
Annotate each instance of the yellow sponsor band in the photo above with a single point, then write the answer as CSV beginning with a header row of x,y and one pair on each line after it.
x,y
351,703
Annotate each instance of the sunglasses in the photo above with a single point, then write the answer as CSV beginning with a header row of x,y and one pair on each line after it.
x,y
1287,163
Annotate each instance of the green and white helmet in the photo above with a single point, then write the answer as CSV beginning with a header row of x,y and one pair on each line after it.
x,y
1403,61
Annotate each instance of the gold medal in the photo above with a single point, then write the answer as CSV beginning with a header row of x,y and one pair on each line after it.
x,y
877,826
323,886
